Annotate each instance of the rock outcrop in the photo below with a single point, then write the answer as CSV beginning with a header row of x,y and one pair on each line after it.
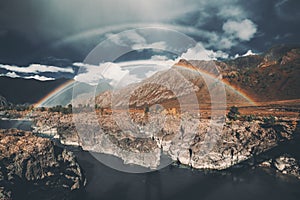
x,y
199,143
287,165
57,125
31,164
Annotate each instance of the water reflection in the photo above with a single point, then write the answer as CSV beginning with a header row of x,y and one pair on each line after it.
x,y
176,183
153,186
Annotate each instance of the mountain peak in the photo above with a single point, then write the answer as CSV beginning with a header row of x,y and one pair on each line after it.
x,y
280,54
184,63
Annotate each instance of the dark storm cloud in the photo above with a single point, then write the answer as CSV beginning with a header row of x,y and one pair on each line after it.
x,y
28,28
273,28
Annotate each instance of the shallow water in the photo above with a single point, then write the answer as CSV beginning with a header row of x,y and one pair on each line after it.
x,y
16,123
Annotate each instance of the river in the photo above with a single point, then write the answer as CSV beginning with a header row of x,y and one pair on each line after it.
x,y
16,123
176,183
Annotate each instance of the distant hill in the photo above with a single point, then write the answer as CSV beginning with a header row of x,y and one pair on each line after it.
x,y
20,91
271,76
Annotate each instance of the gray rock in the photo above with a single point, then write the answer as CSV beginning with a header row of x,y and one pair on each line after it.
x,y
30,160
287,165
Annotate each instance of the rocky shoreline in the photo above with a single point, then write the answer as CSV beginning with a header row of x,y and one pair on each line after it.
x,y
182,140
37,163
33,167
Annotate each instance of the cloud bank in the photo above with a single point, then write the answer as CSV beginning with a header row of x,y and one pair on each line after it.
x,y
36,68
36,77
34,71
200,53
11,75
122,73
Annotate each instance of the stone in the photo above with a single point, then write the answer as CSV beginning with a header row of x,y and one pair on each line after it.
x,y
287,165
184,157
37,163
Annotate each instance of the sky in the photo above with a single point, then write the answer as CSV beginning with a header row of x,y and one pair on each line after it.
x,y
49,36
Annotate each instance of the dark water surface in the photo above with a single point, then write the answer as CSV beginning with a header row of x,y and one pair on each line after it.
x,y
15,123
177,183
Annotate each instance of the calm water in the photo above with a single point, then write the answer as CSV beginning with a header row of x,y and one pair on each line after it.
x,y
177,183
14,123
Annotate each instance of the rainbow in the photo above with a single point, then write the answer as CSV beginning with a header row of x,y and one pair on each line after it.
x,y
60,89
118,28
237,90
240,92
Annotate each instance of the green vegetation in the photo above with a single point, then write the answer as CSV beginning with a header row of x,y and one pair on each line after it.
x,y
269,121
59,108
248,118
146,109
233,113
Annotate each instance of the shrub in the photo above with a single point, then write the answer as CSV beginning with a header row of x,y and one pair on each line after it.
x,y
233,113
249,118
147,109
269,121
61,109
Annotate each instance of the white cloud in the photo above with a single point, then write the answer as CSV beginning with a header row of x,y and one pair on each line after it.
x,y
200,53
134,40
225,43
155,45
123,73
159,57
243,30
38,77
36,68
11,75
91,74
126,38
113,72
248,53
33,69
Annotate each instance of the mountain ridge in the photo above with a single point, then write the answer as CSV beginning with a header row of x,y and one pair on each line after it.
x,y
266,77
